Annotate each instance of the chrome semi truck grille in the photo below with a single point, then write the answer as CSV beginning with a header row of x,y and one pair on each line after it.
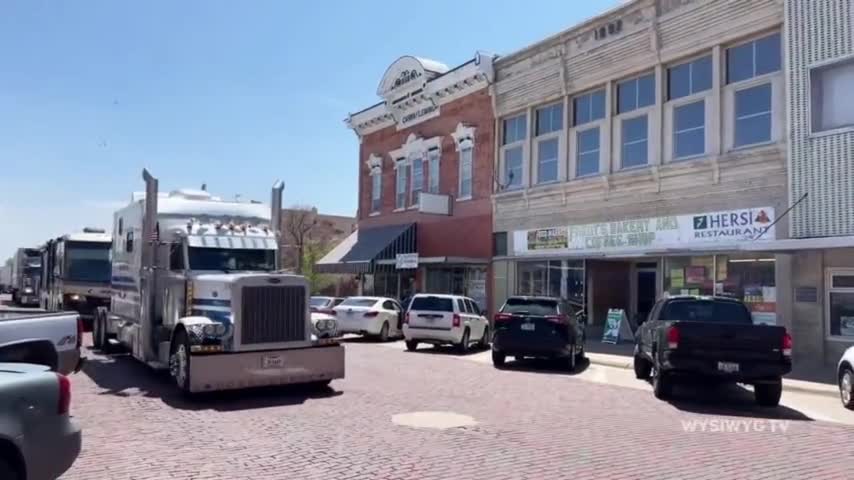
x,y
272,314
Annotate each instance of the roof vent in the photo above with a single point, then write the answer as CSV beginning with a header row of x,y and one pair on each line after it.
x,y
94,230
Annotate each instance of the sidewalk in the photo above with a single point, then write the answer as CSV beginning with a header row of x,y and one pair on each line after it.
x,y
805,377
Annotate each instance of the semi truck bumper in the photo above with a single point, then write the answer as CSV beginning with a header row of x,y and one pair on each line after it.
x,y
258,369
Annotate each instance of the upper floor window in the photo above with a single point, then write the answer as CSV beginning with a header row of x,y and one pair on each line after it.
x,y
753,59
587,158
376,192
417,166
515,131
635,149
832,103
636,93
588,108
548,128
689,129
433,159
400,187
689,78
466,151
753,115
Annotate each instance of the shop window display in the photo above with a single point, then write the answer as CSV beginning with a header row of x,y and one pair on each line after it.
x,y
552,278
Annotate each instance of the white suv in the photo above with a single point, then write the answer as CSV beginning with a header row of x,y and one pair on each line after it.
x,y
445,319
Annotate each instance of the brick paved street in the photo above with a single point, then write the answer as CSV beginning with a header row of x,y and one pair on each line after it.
x,y
531,424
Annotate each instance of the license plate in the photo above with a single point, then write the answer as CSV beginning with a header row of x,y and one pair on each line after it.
x,y
273,361
728,367
528,327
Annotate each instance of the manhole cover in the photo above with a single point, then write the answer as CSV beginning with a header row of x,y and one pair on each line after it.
x,y
437,420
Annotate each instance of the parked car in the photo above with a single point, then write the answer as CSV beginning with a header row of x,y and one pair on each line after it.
x,y
379,317
540,327
711,338
445,319
63,329
38,440
845,374
324,304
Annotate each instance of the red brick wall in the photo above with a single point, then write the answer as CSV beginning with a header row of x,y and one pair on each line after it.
x,y
468,232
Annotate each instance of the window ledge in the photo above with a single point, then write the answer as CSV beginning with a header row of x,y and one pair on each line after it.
x,y
374,214
586,176
634,168
831,132
750,146
464,199
412,207
509,192
699,156
396,210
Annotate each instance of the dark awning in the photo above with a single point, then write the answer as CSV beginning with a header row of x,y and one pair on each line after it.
x,y
360,252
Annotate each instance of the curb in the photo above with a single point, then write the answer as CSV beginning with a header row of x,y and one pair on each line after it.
x,y
788,385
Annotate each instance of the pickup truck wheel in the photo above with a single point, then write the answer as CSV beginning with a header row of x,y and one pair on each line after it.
x,y
411,345
768,394
642,368
498,359
179,361
662,385
570,360
846,388
384,332
463,346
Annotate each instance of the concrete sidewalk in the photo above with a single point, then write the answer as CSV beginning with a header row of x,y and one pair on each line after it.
x,y
796,384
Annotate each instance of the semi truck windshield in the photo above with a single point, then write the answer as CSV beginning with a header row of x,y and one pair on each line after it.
x,y
88,262
229,259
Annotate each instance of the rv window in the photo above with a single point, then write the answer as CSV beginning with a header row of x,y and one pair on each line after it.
x,y
129,242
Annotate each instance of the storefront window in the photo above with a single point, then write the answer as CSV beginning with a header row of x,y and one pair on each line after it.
x,y
468,281
841,303
552,278
689,275
749,278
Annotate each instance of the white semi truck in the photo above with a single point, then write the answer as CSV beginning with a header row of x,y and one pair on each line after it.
x,y
196,289
76,273
26,273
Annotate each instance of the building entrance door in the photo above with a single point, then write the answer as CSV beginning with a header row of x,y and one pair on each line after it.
x,y
646,282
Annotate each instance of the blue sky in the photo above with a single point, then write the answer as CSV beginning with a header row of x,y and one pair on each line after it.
x,y
234,94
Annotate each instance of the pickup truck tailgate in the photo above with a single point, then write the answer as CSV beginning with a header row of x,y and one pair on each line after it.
x,y
731,341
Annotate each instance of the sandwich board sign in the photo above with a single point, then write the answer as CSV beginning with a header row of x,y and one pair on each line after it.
x,y
617,327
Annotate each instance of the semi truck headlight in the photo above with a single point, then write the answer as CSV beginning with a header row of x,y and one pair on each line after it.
x,y
214,329
28,290
75,298
326,324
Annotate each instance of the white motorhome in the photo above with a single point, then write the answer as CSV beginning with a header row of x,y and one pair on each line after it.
x,y
76,272
196,290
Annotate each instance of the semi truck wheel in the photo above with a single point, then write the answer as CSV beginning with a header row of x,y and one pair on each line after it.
x,y
179,361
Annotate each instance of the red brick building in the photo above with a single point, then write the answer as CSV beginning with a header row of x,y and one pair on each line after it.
x,y
425,182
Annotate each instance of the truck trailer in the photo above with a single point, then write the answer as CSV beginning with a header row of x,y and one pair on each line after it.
x,y
196,290
76,273
26,274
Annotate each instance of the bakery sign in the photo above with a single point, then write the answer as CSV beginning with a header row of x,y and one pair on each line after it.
x,y
672,231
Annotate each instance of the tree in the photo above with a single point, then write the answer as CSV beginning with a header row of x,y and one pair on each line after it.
x,y
299,222
317,281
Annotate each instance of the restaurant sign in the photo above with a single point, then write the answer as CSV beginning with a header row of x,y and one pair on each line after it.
x,y
674,231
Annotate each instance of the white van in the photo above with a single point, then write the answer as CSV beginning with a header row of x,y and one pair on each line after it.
x,y
445,319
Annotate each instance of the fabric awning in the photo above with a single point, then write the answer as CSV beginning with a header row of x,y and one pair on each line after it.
x,y
364,248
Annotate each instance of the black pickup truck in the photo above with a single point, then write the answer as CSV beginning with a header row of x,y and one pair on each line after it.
x,y
711,338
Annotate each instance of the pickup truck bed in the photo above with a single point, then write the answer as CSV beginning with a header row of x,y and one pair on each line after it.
x,y
712,338
62,329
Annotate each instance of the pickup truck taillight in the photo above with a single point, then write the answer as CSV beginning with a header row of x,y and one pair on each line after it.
x,y
406,319
672,338
456,320
502,317
64,403
787,344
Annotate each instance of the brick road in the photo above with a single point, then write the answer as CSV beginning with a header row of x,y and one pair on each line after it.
x,y
532,424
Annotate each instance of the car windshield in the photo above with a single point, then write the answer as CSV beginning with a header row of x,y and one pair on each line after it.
x,y
231,259
706,311
432,304
88,261
358,302
530,306
319,301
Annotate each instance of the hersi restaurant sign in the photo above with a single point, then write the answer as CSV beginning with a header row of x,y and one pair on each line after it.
x,y
676,231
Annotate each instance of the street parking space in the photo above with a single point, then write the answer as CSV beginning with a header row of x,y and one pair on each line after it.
x,y
436,415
